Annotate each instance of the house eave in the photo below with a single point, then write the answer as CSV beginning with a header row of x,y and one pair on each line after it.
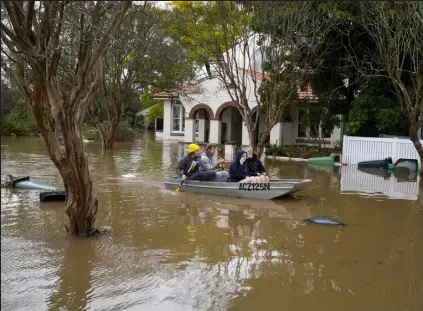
x,y
161,97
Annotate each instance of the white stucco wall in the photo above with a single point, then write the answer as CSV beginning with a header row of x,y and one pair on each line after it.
x,y
167,122
167,116
213,93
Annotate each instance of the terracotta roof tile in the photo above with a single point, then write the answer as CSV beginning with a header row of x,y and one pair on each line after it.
x,y
174,93
256,74
302,94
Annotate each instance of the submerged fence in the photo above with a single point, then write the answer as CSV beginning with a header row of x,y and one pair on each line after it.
x,y
357,149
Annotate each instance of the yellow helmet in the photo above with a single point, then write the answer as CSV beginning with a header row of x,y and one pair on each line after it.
x,y
193,148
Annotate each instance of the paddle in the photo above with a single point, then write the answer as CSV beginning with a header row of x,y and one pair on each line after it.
x,y
183,180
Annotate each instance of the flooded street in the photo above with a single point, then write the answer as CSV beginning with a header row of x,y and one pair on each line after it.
x,y
180,251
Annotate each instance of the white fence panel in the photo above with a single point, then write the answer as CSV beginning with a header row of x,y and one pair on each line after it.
x,y
357,149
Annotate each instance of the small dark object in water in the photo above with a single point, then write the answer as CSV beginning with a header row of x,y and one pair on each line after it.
x,y
323,221
53,196
379,164
12,181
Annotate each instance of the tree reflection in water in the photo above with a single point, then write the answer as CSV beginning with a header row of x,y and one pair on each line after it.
x,y
248,256
74,290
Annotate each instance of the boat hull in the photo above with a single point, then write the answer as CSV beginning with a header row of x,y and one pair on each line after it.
x,y
276,188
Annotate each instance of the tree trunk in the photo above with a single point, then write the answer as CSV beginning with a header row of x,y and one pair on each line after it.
x,y
252,137
108,138
65,146
262,142
413,130
115,116
111,134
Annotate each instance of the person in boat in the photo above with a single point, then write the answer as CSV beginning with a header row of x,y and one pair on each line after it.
x,y
209,162
255,167
237,170
188,166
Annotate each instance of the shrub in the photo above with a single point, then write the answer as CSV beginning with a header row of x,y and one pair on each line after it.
x,y
297,151
124,132
20,121
338,145
88,130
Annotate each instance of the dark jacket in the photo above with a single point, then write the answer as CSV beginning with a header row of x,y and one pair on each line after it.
x,y
237,172
185,163
254,166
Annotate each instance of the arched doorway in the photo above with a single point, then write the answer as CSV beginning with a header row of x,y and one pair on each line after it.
x,y
202,114
231,123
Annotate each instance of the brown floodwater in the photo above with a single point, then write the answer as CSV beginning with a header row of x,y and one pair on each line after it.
x,y
180,251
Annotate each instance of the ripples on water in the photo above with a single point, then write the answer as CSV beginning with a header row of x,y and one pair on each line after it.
x,y
181,251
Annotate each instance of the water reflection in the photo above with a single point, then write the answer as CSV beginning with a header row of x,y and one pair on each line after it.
x,y
395,185
182,251
74,290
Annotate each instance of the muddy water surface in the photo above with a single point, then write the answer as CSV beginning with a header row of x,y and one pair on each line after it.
x,y
176,251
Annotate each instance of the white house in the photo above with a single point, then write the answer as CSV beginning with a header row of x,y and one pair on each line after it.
x,y
209,115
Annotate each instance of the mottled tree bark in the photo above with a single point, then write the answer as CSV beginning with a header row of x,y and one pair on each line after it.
x,y
108,131
61,93
63,139
262,141
413,132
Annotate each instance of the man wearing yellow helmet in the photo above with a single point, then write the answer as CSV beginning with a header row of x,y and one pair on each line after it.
x,y
188,166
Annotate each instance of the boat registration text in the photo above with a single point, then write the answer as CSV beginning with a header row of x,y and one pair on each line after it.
x,y
254,186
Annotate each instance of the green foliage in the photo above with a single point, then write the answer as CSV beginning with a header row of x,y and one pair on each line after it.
x,y
273,95
142,55
147,97
333,78
338,145
9,97
88,130
147,51
125,132
156,111
207,28
296,151
98,110
132,107
375,111
20,121
319,115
